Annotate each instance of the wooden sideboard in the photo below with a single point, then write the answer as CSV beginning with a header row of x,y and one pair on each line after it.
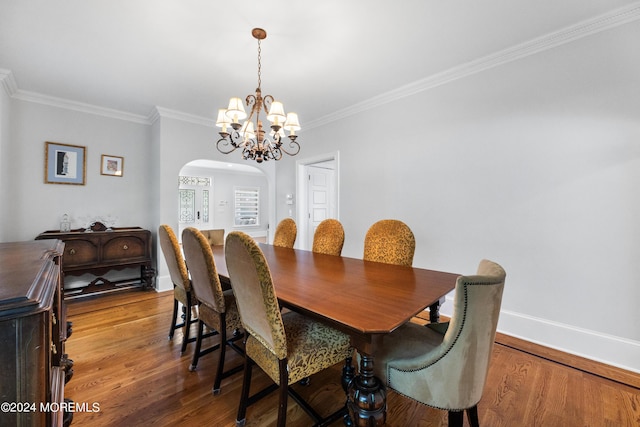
x,y
101,250
33,330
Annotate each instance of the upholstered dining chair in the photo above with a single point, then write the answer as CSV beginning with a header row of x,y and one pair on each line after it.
x,y
215,236
389,241
328,237
218,310
182,292
445,365
288,346
285,234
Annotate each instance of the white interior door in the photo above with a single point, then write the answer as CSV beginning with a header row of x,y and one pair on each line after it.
x,y
320,197
318,189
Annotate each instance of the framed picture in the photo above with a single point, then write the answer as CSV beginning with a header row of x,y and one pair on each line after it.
x,y
64,163
111,165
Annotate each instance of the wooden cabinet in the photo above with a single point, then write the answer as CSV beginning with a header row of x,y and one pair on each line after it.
x,y
33,330
100,250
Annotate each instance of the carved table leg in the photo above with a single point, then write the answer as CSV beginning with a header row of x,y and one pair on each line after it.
x,y
434,312
367,397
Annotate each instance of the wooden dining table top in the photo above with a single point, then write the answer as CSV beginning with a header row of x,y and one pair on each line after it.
x,y
361,298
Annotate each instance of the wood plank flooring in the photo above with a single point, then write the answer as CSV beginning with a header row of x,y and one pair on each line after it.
x,y
125,364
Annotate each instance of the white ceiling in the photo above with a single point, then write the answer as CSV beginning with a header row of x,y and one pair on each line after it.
x,y
190,56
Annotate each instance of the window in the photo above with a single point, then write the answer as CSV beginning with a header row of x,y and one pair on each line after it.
x,y
247,206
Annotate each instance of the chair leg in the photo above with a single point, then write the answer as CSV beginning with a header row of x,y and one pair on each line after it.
x,y
173,319
244,394
472,416
196,353
223,348
456,418
187,325
283,393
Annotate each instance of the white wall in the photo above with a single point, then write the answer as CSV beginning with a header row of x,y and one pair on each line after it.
x,y
529,165
36,206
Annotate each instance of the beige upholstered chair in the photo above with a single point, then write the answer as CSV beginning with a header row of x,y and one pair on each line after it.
x,y
182,292
218,310
329,237
389,241
214,237
445,365
286,232
288,347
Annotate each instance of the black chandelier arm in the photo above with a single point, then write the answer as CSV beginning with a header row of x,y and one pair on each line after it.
x,y
247,154
276,153
294,145
233,139
277,139
224,142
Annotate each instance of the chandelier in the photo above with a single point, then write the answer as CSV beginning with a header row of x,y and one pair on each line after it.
x,y
250,136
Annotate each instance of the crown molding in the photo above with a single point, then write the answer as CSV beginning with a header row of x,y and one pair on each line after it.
x,y
161,112
566,35
67,104
8,82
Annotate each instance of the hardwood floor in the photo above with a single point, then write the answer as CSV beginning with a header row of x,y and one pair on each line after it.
x,y
125,364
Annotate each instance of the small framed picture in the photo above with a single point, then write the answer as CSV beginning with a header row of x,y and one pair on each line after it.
x,y
111,165
64,163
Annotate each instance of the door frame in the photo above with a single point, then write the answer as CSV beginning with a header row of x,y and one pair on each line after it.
x,y
304,240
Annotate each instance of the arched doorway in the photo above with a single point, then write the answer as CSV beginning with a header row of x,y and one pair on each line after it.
x,y
214,195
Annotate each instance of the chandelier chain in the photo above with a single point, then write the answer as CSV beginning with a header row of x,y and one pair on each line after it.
x,y
259,65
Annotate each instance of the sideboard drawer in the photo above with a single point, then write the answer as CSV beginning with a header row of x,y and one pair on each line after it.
x,y
122,248
80,252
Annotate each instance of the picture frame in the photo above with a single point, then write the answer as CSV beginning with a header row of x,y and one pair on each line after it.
x,y
64,163
111,165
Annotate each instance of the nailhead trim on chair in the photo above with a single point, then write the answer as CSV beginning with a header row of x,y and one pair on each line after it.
x,y
453,343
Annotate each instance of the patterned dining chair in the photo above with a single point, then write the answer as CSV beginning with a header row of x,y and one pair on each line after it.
x,y
288,346
390,241
182,292
285,234
445,365
328,237
218,310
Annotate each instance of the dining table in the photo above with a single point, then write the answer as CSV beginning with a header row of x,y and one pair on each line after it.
x,y
364,299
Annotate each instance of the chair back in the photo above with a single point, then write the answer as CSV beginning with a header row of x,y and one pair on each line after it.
x,y
329,237
204,275
390,241
173,257
254,291
456,370
215,236
285,234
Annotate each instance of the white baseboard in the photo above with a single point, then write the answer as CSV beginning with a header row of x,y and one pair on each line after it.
x,y
164,283
604,348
